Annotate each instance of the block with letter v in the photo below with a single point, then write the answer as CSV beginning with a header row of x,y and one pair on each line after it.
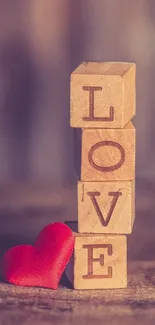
x,y
106,207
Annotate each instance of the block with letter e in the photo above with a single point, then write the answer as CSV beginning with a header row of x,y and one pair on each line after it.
x,y
98,262
102,95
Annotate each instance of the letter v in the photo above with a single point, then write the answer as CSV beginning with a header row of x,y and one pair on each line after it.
x,y
115,195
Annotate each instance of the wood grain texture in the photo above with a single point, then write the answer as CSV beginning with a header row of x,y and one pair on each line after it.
x,y
106,207
98,262
102,95
108,154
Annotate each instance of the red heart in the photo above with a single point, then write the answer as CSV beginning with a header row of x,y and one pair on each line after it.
x,y
40,265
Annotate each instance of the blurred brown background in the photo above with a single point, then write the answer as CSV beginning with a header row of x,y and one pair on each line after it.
x,y
41,42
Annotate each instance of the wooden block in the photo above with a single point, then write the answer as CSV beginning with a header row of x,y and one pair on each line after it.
x,y
98,261
106,207
102,95
108,154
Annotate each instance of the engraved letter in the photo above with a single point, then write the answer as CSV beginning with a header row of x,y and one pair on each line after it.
x,y
106,168
115,195
91,260
91,116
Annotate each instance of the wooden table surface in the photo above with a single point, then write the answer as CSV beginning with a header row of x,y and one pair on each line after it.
x,y
134,305
24,211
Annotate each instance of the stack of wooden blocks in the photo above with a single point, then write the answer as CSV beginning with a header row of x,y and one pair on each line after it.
x,y
102,106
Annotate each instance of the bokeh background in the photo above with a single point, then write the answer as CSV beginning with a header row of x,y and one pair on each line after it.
x,y
41,42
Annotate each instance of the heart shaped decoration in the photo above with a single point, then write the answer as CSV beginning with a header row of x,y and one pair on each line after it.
x,y
40,265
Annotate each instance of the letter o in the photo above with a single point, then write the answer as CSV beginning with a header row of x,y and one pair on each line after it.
x,y
106,168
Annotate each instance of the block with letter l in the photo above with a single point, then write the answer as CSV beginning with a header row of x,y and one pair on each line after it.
x,y
102,95
98,261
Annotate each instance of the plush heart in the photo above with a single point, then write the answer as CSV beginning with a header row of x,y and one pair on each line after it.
x,y
40,265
